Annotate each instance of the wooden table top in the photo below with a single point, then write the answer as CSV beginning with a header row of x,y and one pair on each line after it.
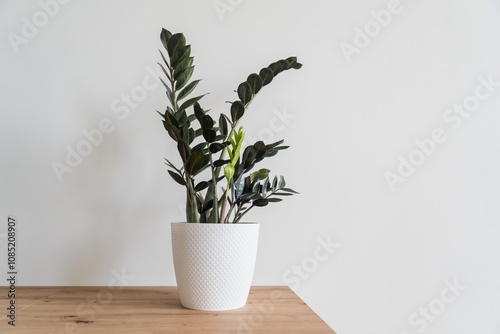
x,y
153,310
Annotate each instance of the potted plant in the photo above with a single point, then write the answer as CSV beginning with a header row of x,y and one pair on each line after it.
x,y
214,251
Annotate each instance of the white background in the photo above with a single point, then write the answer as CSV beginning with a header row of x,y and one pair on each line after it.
x,y
348,124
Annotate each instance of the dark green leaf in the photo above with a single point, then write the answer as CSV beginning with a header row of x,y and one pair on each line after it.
x,y
220,163
209,135
207,122
176,41
237,111
266,74
199,147
276,68
188,89
223,125
216,147
261,202
274,199
172,130
184,77
184,150
199,112
182,66
190,102
255,82
180,117
208,205
164,37
200,186
179,55
194,163
245,92
166,64
177,178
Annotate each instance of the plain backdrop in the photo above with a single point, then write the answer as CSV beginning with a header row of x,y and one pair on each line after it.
x,y
422,256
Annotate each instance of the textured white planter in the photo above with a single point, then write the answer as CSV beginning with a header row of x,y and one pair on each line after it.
x,y
214,263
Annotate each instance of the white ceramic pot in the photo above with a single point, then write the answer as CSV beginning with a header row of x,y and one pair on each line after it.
x,y
214,263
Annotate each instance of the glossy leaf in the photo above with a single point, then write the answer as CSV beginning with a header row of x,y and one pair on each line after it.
x,y
177,178
182,66
164,37
245,92
216,147
266,74
188,89
190,102
176,41
194,163
255,82
179,55
209,135
237,111
261,202
184,77
184,150
200,186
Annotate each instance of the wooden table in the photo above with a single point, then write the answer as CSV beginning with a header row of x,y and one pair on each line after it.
x,y
58,310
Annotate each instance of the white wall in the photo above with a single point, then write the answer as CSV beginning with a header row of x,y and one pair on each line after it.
x,y
348,123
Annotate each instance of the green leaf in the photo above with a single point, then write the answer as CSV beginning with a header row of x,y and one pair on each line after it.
x,y
184,77
261,174
199,147
290,190
182,66
266,74
276,68
237,111
209,135
207,122
220,162
190,102
273,200
200,186
176,41
228,172
166,64
172,130
188,89
245,92
177,178
168,76
261,202
184,150
199,112
216,147
179,55
223,125
255,82
248,156
165,36
194,163
208,205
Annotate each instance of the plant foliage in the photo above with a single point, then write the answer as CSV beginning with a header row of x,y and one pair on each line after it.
x,y
215,144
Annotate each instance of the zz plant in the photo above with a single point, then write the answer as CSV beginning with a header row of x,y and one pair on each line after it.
x,y
205,144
